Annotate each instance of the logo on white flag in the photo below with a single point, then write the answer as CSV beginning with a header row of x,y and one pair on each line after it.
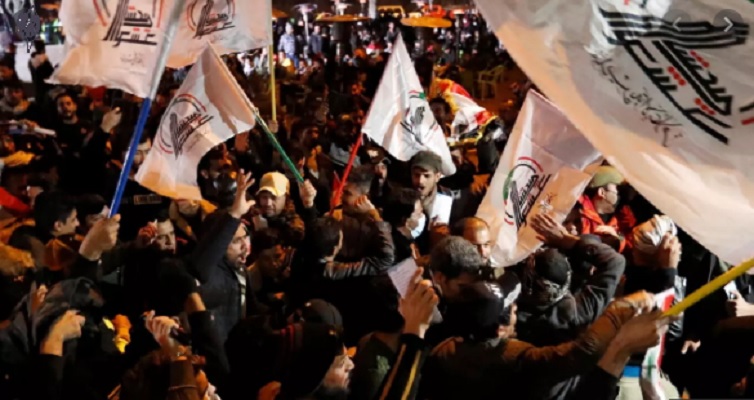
x,y
185,115
523,186
666,52
414,118
129,23
204,19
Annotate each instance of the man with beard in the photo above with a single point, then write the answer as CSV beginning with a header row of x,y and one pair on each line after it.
x,y
436,201
277,210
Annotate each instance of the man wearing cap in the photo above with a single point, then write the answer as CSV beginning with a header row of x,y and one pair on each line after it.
x,y
276,210
437,202
601,212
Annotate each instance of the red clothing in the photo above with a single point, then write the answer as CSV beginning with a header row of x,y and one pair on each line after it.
x,y
622,221
12,204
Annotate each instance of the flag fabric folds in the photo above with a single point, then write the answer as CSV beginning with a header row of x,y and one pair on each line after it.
x,y
542,170
115,43
231,26
662,89
399,118
208,109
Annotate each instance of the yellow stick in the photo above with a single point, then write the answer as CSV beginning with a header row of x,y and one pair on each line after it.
x,y
273,89
710,287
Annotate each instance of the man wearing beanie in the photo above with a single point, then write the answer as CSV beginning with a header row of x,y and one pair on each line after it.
x,y
600,206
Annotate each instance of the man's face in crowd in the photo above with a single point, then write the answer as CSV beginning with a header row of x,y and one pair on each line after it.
x,y
67,226
271,205
338,376
7,145
6,73
607,198
66,107
13,96
480,237
165,238
239,248
438,110
450,288
187,208
351,193
270,263
141,153
424,181
17,185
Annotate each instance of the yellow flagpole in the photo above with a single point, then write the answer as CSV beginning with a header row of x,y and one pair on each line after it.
x,y
710,287
273,89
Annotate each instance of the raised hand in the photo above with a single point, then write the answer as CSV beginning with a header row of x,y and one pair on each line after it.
x,y
241,204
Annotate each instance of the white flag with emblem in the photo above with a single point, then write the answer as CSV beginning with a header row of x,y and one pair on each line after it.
x,y
400,119
663,89
542,170
208,109
230,25
113,43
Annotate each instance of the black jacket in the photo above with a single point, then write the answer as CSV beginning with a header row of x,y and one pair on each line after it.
x,y
220,287
514,369
564,320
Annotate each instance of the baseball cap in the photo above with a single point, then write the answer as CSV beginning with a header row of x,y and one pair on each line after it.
x,y
606,175
275,183
427,160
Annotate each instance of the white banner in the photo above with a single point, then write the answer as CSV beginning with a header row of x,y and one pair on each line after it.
x,y
230,25
400,119
208,109
541,171
115,42
663,89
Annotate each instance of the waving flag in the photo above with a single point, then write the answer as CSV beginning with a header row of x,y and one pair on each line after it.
x,y
112,43
467,113
541,171
400,119
115,43
230,25
208,109
663,89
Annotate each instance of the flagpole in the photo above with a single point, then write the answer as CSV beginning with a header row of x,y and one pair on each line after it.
x,y
710,287
346,172
146,106
260,121
273,89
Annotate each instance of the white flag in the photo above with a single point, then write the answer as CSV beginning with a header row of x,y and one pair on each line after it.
x,y
541,171
400,119
230,25
113,43
663,89
208,109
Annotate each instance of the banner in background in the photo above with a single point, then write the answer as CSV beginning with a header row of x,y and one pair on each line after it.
x,y
399,118
663,89
541,171
208,109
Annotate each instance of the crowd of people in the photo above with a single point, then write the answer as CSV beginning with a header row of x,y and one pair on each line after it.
x,y
264,290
